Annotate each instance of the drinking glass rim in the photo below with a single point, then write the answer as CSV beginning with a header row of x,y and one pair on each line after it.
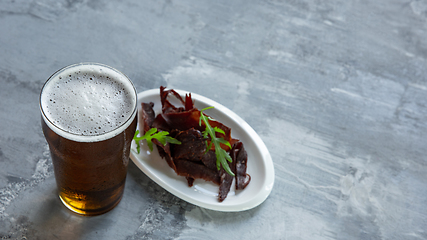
x,y
88,138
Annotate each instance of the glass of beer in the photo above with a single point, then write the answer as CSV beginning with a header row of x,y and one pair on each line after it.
x,y
89,119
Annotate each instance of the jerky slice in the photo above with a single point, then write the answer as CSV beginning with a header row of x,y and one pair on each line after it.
x,y
147,121
192,146
240,158
146,116
195,170
225,182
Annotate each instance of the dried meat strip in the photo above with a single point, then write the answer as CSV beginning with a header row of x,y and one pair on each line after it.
x,y
192,146
183,120
148,120
195,170
165,153
161,124
240,158
209,160
226,180
146,116
166,105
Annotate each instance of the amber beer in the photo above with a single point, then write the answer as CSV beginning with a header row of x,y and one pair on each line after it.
x,y
89,119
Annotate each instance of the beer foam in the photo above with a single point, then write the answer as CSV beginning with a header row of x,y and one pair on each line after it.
x,y
88,102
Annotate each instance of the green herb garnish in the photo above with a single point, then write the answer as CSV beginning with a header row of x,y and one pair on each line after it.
x,y
221,155
152,133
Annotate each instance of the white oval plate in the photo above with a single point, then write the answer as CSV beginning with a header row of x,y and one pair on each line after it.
x,y
205,194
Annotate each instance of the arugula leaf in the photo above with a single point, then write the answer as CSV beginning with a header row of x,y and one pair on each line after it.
x,y
221,155
152,133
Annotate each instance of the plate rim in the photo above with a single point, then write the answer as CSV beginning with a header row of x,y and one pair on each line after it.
x,y
260,196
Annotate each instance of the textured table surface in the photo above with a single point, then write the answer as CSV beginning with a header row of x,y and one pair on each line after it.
x,y
337,90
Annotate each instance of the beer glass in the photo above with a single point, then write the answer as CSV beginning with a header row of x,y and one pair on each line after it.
x,y
89,119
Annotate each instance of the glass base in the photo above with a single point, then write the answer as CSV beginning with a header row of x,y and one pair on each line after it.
x,y
79,208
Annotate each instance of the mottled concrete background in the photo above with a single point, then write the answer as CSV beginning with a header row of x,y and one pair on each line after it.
x,y
336,89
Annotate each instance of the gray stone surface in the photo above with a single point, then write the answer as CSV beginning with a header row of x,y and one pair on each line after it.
x,y
336,89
